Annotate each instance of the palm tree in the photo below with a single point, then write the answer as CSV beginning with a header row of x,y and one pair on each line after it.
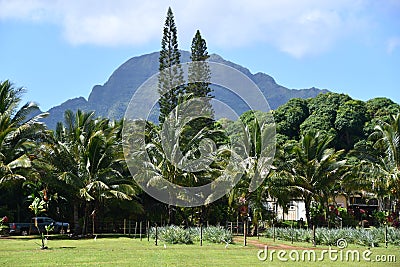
x,y
385,156
178,154
258,143
313,169
86,155
19,130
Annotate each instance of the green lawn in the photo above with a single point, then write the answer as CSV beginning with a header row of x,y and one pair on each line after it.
x,y
122,251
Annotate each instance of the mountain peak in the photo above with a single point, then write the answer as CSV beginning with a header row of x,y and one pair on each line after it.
x,y
111,99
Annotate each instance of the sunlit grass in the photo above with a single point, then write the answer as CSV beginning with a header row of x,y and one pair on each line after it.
x,y
123,251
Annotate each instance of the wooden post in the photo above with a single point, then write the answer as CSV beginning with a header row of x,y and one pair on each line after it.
x,y
386,236
273,230
237,225
124,226
244,233
313,236
140,230
93,219
231,228
148,231
129,228
292,232
135,229
156,234
201,234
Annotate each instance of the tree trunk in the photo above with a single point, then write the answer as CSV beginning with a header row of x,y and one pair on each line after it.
x,y
307,203
84,227
76,217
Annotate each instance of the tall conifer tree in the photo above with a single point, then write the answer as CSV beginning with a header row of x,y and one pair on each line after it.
x,y
199,74
170,82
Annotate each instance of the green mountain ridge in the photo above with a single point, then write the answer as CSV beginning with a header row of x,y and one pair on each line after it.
x,y
111,99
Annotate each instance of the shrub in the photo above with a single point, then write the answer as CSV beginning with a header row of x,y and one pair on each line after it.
x,y
366,237
328,236
178,235
217,234
394,236
172,235
324,236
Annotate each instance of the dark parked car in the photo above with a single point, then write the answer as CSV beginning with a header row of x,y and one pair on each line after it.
x,y
42,222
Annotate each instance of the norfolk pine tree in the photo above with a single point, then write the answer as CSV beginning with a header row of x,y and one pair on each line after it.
x,y
199,74
170,87
170,81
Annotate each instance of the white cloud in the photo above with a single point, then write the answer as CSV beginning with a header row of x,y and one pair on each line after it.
x,y
299,28
392,44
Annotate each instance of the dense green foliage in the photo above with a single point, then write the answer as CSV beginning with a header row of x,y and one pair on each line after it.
x,y
79,168
325,146
178,235
365,237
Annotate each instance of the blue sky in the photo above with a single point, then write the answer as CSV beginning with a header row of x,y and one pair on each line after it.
x,y
60,49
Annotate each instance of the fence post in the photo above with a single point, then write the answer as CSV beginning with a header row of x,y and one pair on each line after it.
x,y
140,230
135,229
201,234
129,228
292,232
156,234
386,236
273,229
244,233
124,226
231,228
148,231
313,234
237,225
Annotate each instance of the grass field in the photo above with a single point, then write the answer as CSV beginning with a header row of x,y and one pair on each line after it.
x,y
123,251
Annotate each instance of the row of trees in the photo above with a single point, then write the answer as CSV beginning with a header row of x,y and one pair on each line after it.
x,y
75,168
325,146
333,145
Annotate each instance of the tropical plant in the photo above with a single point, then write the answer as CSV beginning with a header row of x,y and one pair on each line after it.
x,y
313,169
172,234
19,130
324,236
38,206
178,235
86,155
387,145
256,132
379,161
